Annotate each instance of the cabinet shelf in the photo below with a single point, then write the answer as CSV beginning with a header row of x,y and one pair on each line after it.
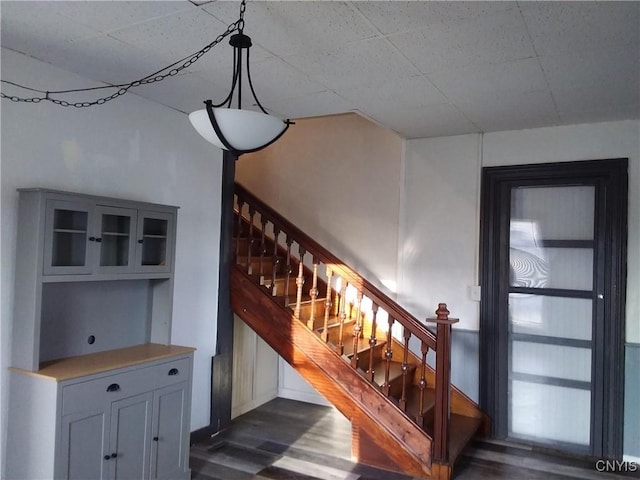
x,y
66,230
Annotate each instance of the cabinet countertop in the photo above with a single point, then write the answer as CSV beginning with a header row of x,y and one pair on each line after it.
x,y
83,365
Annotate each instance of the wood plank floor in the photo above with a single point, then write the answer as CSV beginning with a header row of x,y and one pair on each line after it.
x,y
289,440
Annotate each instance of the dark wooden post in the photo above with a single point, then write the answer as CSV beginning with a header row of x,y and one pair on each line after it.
x,y
443,382
222,363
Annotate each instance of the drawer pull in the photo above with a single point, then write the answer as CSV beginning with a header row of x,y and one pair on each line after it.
x,y
173,371
114,387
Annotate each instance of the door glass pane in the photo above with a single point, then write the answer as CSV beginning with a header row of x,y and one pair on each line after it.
x,y
154,241
564,213
550,412
114,248
69,238
551,361
551,250
551,316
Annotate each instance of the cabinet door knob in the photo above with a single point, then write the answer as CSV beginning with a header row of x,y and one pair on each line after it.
x,y
114,455
155,439
141,241
92,239
114,387
173,371
107,457
98,240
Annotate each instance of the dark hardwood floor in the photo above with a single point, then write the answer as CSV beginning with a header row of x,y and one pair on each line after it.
x,y
289,440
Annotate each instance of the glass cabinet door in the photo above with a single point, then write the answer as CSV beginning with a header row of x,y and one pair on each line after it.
x,y
115,238
155,237
66,248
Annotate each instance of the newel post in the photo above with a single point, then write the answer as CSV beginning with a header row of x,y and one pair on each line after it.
x,y
443,382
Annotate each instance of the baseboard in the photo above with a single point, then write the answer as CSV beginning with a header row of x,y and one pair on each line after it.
x,y
307,397
202,434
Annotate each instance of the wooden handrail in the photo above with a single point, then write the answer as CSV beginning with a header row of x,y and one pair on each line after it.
x,y
339,267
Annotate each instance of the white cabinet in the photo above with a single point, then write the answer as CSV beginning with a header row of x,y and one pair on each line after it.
x,y
92,274
168,452
97,391
124,423
83,439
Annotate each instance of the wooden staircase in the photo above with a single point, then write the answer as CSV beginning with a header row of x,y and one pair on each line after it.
x,y
354,344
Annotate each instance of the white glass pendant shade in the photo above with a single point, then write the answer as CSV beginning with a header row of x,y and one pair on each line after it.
x,y
244,130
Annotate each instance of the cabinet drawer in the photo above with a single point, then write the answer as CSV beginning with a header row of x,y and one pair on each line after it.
x,y
172,372
85,395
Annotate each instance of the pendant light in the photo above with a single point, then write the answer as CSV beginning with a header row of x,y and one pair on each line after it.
x,y
236,129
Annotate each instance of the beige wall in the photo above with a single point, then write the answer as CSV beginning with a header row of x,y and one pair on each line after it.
x,y
338,179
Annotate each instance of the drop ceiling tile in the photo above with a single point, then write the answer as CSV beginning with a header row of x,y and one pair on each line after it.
x,y
30,27
406,92
366,62
102,58
597,98
175,36
510,78
614,66
422,122
316,104
612,114
488,39
273,79
289,28
398,16
571,27
504,112
105,16
185,92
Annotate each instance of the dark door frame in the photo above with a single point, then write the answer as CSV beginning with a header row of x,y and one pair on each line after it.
x,y
610,179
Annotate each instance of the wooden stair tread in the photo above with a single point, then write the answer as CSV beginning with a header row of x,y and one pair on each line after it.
x,y
363,346
395,371
413,401
461,430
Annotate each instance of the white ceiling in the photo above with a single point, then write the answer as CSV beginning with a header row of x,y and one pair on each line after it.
x,y
421,68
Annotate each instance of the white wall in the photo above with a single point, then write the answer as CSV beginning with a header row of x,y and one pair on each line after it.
x,y
442,206
129,148
439,227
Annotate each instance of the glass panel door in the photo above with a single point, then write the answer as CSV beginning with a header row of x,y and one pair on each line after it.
x,y
550,296
155,232
116,239
66,238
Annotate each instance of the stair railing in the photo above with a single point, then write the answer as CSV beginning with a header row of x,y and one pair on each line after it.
x,y
265,251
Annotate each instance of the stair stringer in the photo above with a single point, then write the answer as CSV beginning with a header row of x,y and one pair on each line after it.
x,y
402,441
